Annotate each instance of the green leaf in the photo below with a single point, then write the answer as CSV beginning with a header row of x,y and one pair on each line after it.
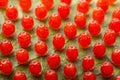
x,y
64,61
